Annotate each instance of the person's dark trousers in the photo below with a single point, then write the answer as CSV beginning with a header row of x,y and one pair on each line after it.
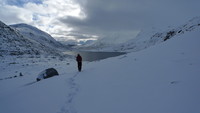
x,y
79,66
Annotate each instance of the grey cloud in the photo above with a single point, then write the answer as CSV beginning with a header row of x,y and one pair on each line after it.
x,y
107,16
80,35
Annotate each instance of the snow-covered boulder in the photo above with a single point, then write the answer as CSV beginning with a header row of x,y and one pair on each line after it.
x,y
47,73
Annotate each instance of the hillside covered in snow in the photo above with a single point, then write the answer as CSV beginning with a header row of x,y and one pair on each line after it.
x,y
26,40
147,39
38,35
163,78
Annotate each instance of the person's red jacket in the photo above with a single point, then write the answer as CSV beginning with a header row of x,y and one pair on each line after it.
x,y
79,58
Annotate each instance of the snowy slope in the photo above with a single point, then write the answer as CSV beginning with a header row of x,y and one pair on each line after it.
x,y
149,38
13,43
161,79
38,35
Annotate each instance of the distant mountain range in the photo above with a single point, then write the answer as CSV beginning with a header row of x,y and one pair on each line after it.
x,y
144,39
23,39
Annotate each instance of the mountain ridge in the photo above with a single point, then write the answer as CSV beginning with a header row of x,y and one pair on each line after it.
x,y
14,43
143,41
38,35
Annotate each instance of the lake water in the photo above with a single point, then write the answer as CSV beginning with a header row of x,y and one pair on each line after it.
x,y
94,56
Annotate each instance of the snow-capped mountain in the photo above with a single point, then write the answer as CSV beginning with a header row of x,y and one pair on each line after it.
x,y
14,43
146,39
38,35
102,44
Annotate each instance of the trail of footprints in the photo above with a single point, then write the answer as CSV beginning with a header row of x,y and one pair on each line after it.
x,y
74,88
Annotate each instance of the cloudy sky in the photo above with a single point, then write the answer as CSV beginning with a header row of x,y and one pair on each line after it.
x,y
93,19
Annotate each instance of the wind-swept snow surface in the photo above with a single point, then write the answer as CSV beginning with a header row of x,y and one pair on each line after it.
x,y
161,79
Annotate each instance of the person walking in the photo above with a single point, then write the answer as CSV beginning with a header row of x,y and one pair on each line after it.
x,y
79,61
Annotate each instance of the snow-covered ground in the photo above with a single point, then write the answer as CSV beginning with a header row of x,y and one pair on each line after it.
x,y
161,79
